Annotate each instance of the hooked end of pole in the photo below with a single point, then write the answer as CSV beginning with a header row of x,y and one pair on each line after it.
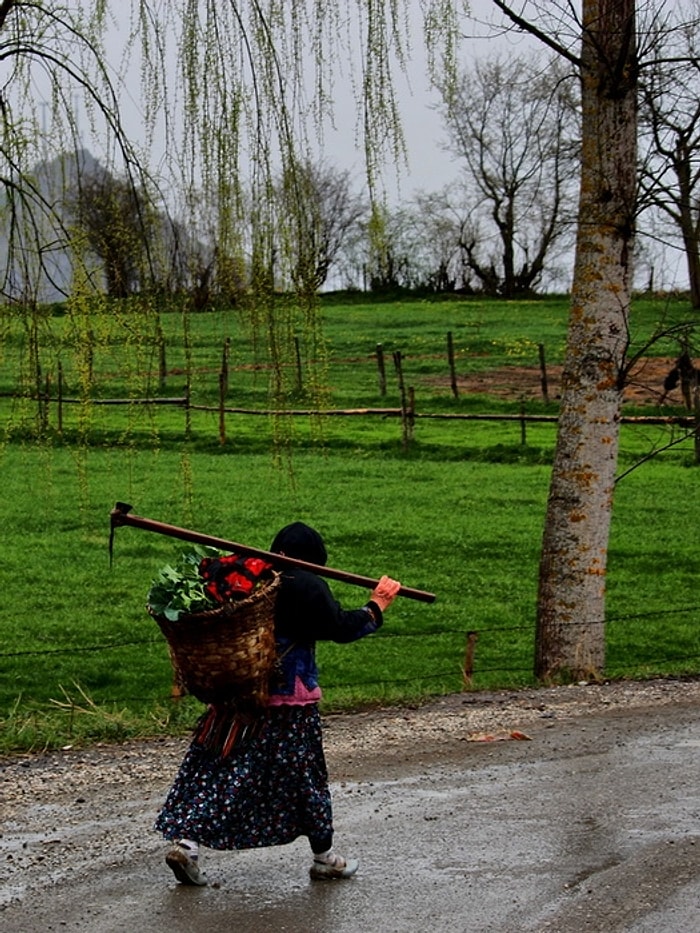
x,y
119,511
117,516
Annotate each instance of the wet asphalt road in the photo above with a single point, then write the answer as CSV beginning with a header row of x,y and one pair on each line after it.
x,y
594,825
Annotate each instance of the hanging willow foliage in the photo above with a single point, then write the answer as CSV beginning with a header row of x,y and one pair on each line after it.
x,y
234,96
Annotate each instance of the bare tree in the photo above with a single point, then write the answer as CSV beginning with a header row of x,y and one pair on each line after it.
x,y
332,211
513,122
670,125
443,227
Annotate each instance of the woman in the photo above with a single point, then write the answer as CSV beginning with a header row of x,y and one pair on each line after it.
x,y
261,781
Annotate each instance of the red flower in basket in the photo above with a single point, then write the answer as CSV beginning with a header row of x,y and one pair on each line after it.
x,y
232,577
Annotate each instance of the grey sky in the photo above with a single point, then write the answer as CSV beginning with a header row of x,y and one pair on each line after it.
x,y
430,167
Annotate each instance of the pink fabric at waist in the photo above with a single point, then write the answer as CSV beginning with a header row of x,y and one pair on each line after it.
x,y
301,696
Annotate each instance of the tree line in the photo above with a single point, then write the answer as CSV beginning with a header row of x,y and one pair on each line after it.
x,y
504,228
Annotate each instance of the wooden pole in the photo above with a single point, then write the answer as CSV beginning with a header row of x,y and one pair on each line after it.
x,y
382,370
543,373
225,353
451,360
121,515
468,669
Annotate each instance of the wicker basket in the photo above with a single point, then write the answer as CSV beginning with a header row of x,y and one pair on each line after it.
x,y
226,655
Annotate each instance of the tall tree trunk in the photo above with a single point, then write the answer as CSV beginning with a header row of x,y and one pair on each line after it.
x,y
687,220
690,243
571,605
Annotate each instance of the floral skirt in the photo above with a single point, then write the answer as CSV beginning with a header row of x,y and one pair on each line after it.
x,y
267,791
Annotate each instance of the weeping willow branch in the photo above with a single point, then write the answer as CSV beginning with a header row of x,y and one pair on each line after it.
x,y
233,97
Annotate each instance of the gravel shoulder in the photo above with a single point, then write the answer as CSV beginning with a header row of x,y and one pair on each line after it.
x,y
95,806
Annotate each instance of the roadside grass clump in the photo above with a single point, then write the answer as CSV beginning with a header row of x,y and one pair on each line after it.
x,y
77,719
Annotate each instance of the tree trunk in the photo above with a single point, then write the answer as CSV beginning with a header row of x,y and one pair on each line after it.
x,y
689,232
571,605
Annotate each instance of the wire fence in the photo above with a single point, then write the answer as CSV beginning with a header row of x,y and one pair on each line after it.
x,y
474,656
407,416
465,662
53,399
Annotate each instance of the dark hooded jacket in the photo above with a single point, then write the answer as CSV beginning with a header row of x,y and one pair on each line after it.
x,y
307,612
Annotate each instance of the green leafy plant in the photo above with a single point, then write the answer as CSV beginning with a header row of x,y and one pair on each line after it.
x,y
180,588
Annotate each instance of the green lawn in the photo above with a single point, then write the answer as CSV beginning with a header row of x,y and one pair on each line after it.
x,y
459,514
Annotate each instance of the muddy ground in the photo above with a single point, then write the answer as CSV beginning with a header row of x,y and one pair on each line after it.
x,y
589,821
645,383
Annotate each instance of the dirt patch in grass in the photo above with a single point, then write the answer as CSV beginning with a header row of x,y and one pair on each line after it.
x,y
645,384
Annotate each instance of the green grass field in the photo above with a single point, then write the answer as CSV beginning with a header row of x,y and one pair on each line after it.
x,y
460,514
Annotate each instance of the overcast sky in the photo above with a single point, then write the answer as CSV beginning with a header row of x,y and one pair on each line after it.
x,y
430,167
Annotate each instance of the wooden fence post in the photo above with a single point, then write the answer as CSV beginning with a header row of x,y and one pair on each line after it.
x,y
468,669
382,370
451,360
222,405
405,414
543,373
225,353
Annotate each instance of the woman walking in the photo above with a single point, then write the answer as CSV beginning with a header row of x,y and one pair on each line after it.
x,y
251,780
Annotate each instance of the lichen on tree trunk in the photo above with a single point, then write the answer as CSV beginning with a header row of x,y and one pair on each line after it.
x,y
571,602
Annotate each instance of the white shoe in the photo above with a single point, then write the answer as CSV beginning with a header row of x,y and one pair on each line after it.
x,y
334,866
185,869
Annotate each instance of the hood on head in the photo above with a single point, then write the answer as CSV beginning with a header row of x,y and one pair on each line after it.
x,y
300,541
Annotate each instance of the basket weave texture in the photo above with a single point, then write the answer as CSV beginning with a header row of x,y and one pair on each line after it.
x,y
227,654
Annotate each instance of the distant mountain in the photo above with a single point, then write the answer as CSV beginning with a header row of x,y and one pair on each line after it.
x,y
33,238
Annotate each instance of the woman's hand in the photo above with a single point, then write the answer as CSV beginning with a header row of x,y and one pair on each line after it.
x,y
385,592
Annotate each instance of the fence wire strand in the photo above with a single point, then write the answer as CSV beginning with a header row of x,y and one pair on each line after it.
x,y
455,674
